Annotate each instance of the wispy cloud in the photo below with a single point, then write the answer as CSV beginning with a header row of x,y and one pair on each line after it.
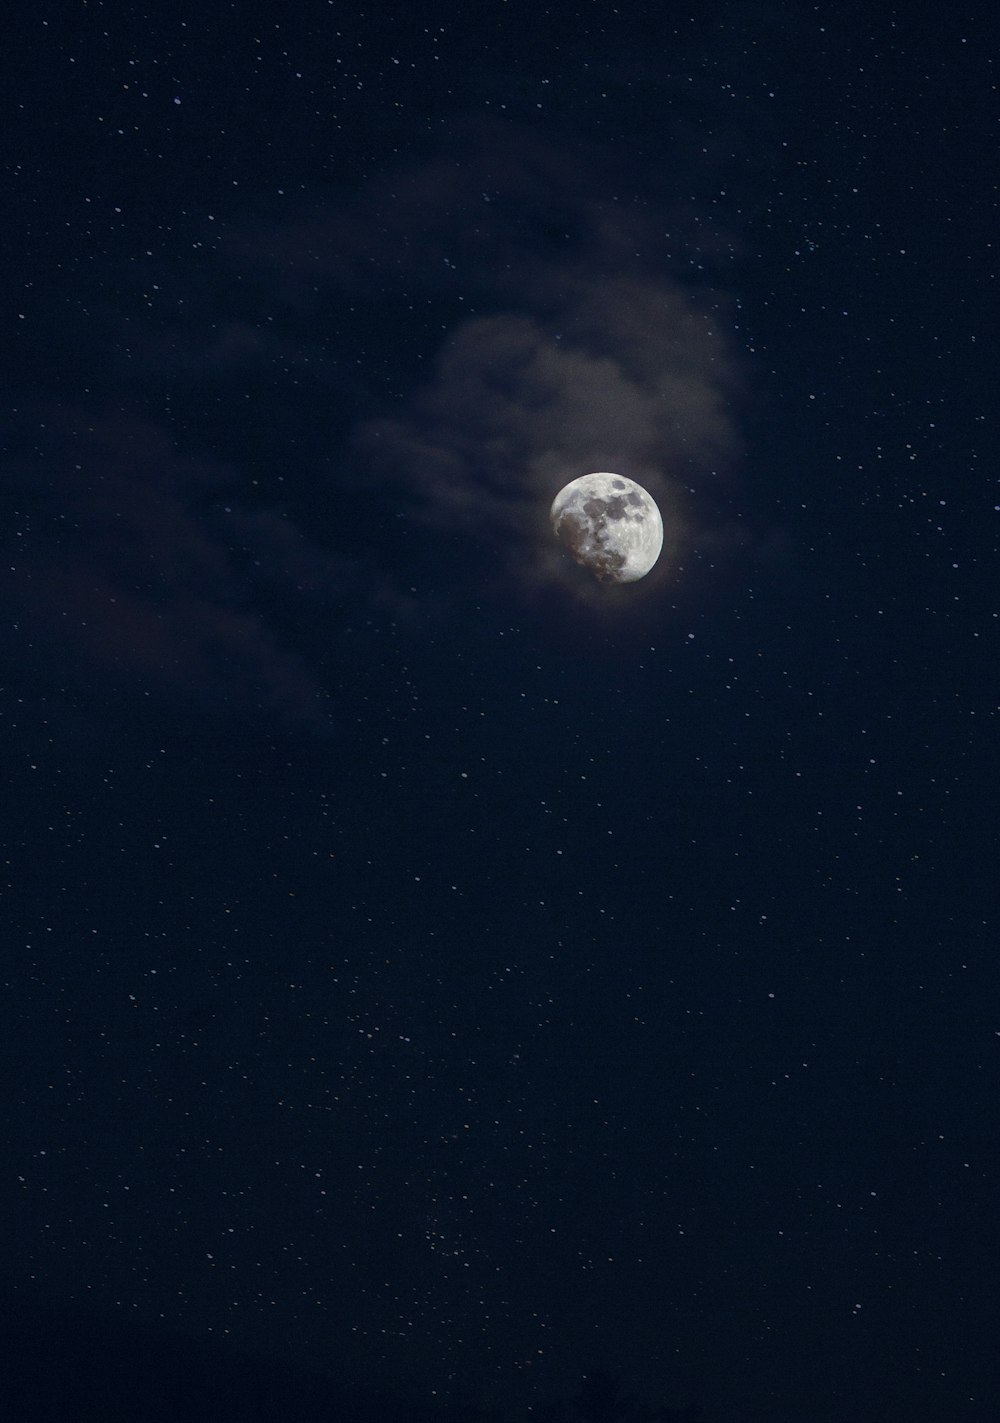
x,y
429,356
574,342
124,578
600,361
624,374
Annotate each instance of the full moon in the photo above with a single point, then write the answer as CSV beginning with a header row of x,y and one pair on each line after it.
x,y
610,525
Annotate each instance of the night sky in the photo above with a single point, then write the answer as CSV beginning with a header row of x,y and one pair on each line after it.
x,y
430,974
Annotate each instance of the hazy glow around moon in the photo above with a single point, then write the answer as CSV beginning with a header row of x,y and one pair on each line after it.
x,y
610,525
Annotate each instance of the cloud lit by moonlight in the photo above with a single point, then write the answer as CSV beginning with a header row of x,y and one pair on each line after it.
x,y
586,371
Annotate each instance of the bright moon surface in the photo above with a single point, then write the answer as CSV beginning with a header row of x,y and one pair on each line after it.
x,y
610,525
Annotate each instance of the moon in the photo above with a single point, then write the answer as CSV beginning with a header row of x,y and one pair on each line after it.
x,y
610,525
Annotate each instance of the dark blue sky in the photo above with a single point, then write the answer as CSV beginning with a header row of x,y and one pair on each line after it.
x,y
425,969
